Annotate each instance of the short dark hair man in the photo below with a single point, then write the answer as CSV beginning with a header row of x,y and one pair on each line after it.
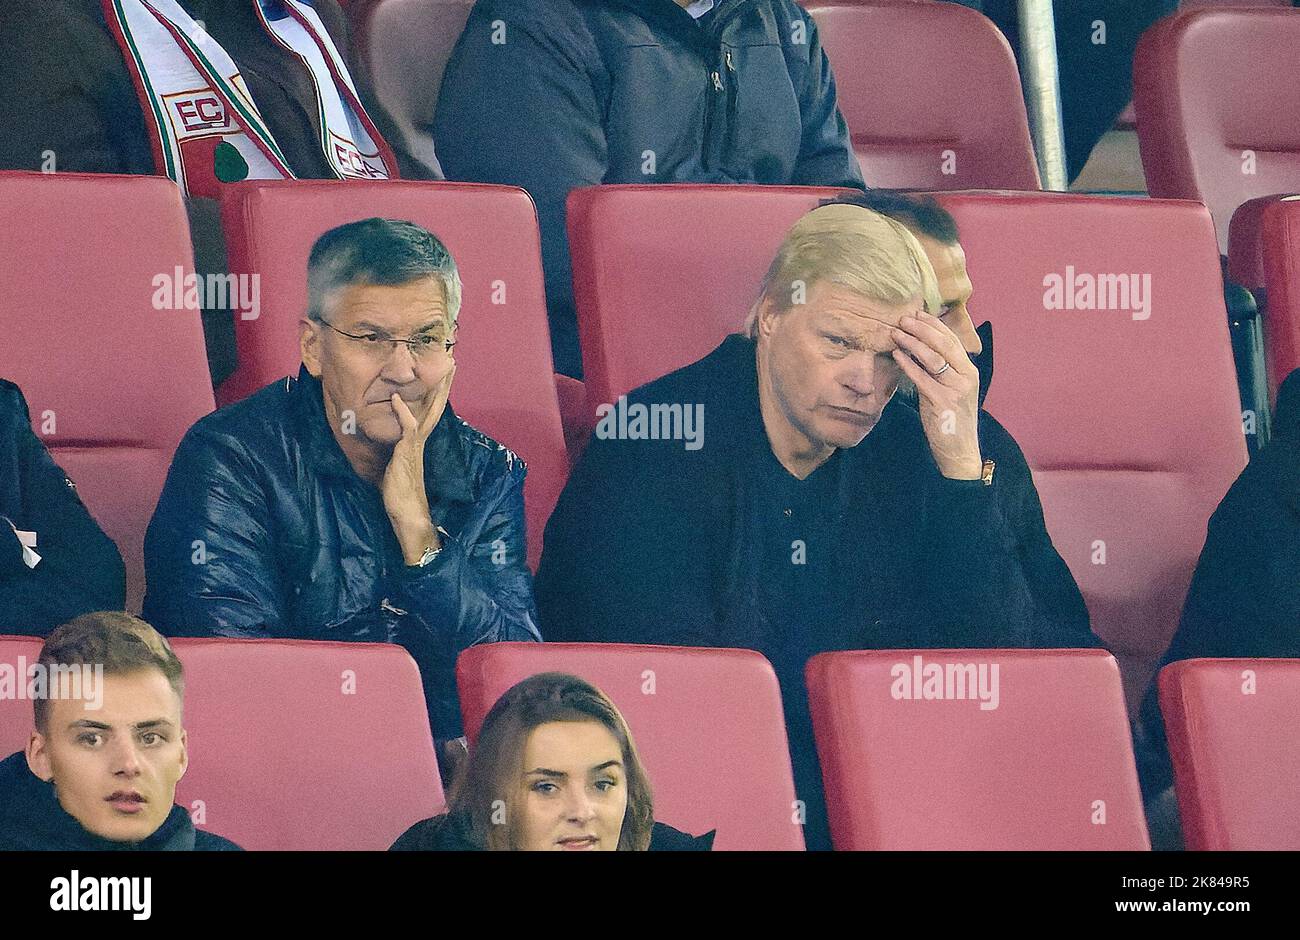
x,y
101,766
352,503
1059,609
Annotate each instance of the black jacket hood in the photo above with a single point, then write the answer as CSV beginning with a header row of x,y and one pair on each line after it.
x,y
32,820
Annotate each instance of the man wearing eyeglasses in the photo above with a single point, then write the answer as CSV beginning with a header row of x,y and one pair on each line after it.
x,y
351,503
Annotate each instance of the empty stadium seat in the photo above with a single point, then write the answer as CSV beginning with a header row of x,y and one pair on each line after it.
x,y
1281,240
637,321
1049,766
1246,243
306,745
407,44
504,381
1132,426
1217,96
707,723
1231,726
16,713
931,93
90,266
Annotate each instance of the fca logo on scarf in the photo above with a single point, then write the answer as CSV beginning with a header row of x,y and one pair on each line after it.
x,y
200,113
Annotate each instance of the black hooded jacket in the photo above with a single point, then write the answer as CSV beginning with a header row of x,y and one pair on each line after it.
x,y
32,820
80,568
652,542
450,833
1244,600
1059,608
551,95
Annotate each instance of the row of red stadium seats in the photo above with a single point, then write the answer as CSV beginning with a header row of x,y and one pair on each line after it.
x,y
1117,372
1205,131
921,749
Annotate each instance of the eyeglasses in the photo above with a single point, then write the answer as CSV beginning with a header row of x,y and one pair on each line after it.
x,y
424,345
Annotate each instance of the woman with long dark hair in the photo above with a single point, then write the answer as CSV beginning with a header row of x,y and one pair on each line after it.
x,y
554,768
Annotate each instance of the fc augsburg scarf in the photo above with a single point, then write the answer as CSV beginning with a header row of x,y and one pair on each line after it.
x,y
203,123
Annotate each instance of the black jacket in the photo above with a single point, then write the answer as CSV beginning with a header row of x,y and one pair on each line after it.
x,y
1060,612
449,833
653,543
1244,599
555,94
32,820
295,544
80,568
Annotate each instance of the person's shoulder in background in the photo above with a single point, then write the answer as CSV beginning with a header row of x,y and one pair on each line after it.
x,y
664,838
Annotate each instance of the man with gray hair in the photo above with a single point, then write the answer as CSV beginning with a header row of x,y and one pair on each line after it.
x,y
352,503
812,518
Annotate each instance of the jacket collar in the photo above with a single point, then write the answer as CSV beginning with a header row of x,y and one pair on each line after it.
x,y
674,18
32,817
444,454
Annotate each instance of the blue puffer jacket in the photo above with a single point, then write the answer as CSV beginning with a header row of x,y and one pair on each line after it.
x,y
264,530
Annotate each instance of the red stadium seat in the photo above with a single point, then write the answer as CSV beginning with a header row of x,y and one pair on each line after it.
x,y
1132,426
306,745
113,376
707,723
408,43
16,654
504,380
1231,726
1049,766
931,94
1281,239
1246,243
1218,105
661,273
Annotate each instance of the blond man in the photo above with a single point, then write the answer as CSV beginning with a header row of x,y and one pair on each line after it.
x,y
806,517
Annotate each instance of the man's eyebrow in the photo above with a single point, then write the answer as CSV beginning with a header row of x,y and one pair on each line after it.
x,y
87,723
154,723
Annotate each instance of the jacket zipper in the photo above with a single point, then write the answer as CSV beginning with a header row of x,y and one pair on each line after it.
x,y
728,140
715,79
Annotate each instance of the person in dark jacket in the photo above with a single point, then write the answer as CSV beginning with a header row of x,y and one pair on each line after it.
x,y
69,104
1244,599
100,769
810,517
554,769
352,503
1059,609
55,561
555,94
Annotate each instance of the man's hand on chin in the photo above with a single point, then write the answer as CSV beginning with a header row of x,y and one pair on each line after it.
x,y
402,487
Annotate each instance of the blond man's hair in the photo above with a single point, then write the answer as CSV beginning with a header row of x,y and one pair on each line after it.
x,y
855,248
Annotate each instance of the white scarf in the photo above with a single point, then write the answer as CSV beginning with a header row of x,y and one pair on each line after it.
x,y
204,126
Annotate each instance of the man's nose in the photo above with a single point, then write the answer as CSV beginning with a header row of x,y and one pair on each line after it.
x,y
964,327
399,367
126,758
859,373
